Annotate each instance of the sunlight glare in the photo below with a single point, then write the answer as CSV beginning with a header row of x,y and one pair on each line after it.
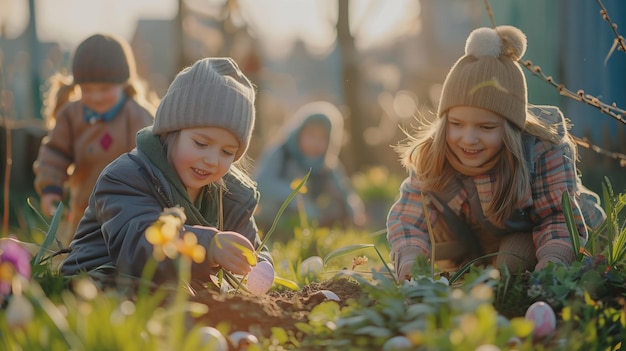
x,y
70,21
280,23
13,18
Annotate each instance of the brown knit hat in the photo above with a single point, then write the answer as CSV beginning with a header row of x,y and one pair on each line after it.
x,y
213,92
103,58
488,76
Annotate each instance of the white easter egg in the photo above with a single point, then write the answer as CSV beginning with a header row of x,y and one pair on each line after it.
x,y
398,343
260,278
311,266
214,338
543,317
330,295
19,311
242,340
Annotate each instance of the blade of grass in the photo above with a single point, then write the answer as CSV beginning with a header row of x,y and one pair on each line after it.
x,y
234,282
431,236
467,266
611,220
614,204
346,250
51,234
378,232
282,208
290,284
566,204
31,204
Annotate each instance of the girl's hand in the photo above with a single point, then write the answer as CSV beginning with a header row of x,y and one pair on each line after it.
x,y
49,203
404,271
225,250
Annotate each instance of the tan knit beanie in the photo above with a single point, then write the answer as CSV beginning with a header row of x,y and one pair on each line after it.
x,y
103,58
488,76
213,92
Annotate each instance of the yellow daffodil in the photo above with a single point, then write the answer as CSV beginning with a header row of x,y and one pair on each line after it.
x,y
163,233
189,247
294,184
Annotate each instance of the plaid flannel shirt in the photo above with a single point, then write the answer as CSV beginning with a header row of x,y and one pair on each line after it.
x,y
554,173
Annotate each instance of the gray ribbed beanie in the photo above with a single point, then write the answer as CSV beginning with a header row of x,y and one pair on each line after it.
x,y
213,92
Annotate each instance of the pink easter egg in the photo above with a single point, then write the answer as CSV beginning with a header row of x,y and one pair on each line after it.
x,y
543,317
260,278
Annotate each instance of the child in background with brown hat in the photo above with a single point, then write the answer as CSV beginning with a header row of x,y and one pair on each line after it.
x,y
188,158
88,133
490,170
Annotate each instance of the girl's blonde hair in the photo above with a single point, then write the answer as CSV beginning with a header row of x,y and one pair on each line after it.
x,y
62,89
423,155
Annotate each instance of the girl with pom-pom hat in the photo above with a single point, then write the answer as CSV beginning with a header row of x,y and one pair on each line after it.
x,y
491,170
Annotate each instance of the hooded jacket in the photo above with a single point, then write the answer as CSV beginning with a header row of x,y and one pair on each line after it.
x,y
329,197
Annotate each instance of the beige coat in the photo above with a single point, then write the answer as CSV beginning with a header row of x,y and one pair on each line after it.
x,y
88,148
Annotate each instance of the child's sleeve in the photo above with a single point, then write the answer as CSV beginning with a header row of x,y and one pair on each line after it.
x,y
407,231
555,175
56,154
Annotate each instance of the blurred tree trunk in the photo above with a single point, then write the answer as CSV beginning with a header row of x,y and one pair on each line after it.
x,y
182,60
234,41
35,60
356,150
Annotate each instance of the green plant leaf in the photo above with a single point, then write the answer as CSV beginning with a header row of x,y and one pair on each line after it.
x,y
33,207
290,284
233,281
566,204
282,208
50,234
346,250
469,264
611,220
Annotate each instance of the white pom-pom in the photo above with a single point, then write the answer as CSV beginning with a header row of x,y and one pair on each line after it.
x,y
483,42
503,40
514,41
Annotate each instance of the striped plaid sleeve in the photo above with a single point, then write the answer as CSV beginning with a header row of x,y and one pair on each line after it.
x,y
406,225
556,174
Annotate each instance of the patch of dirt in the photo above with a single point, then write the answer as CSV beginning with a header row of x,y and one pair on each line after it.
x,y
257,314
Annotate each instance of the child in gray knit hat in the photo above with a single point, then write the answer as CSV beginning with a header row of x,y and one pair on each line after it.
x,y
188,158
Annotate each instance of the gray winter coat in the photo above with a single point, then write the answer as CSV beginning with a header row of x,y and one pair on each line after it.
x,y
129,196
330,198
